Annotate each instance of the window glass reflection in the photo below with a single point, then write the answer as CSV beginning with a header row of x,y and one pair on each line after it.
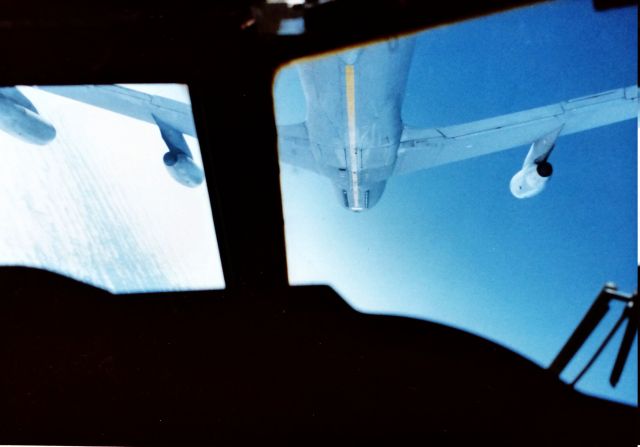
x,y
480,174
105,184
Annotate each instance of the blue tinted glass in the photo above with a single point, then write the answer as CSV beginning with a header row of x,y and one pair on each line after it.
x,y
105,184
481,174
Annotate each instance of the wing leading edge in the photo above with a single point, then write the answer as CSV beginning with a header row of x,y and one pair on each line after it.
x,y
425,148
131,103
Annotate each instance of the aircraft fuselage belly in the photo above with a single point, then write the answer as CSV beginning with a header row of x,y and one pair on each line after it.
x,y
354,101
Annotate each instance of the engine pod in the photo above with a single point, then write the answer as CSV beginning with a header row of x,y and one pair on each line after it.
x,y
25,124
182,168
529,182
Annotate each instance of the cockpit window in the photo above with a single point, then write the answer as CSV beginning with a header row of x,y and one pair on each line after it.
x,y
105,184
481,174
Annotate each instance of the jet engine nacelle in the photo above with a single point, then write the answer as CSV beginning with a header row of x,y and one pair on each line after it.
x,y
23,123
536,169
530,180
182,168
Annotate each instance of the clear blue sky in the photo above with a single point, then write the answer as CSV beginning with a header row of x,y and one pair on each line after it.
x,y
452,244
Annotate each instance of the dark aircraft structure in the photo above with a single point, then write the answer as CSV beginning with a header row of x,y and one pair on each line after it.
x,y
259,361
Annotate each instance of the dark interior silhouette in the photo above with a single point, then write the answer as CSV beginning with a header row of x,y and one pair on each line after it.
x,y
260,360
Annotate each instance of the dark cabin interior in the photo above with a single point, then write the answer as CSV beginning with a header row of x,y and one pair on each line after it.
x,y
260,360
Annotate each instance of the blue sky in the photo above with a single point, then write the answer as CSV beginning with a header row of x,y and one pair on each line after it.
x,y
451,244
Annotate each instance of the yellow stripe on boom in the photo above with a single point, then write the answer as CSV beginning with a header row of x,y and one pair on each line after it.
x,y
350,90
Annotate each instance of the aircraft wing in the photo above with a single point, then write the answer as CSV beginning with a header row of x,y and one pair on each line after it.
x,y
131,103
425,148
294,147
173,118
